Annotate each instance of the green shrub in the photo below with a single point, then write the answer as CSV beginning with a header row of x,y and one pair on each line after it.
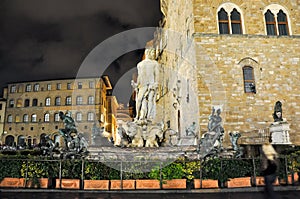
x,y
71,169
96,171
10,168
174,170
211,168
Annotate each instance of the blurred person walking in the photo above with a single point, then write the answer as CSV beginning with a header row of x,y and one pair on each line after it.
x,y
270,165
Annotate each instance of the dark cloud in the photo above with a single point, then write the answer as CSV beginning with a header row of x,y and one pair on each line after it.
x,y
44,39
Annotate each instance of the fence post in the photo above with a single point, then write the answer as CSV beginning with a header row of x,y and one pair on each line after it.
x,y
82,174
286,170
160,176
254,172
26,174
60,173
201,174
121,174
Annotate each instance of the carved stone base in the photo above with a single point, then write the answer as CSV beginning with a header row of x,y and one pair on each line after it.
x,y
279,132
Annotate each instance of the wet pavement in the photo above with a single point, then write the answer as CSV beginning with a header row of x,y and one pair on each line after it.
x,y
69,194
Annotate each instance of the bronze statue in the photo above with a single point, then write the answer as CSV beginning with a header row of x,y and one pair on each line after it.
x,y
277,115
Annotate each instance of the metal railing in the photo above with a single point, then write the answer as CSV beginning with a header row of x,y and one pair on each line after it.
x,y
220,169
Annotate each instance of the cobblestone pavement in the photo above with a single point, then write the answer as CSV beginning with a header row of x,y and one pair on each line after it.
x,y
287,194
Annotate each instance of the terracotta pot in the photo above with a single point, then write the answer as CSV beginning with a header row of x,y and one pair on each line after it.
x,y
96,184
239,182
289,178
206,184
68,184
43,183
260,181
125,184
12,182
174,184
147,184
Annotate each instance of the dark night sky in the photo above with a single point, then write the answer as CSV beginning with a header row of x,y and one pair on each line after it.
x,y
49,39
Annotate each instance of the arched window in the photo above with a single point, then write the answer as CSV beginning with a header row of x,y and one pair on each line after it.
x,y
56,117
69,100
9,140
235,18
17,118
79,100
47,117
26,102
276,20
25,118
11,103
230,19
28,88
57,101
270,23
223,22
48,101
57,139
19,103
21,141
34,102
33,118
9,118
90,116
36,87
282,23
249,82
91,100
78,116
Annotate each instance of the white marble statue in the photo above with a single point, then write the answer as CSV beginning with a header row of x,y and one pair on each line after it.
x,y
146,86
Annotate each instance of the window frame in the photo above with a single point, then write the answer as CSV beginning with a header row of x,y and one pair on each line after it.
x,y
48,101
91,100
275,10
249,81
28,88
25,118
79,100
229,8
58,101
34,117
68,100
47,117
90,116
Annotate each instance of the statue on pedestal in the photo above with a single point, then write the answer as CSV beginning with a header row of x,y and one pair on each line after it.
x,y
279,129
74,141
146,86
211,142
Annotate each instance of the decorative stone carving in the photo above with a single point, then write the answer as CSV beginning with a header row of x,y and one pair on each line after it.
x,y
279,132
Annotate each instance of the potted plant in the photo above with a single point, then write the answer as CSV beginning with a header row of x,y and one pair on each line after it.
x,y
171,176
236,173
208,174
96,176
35,173
70,174
10,175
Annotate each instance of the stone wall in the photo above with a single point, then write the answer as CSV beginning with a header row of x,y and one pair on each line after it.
x,y
213,62
220,79
205,14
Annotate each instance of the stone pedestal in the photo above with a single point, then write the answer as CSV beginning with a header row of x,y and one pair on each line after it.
x,y
279,132
188,141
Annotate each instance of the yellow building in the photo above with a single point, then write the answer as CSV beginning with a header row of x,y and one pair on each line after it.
x,y
32,109
241,56
2,117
